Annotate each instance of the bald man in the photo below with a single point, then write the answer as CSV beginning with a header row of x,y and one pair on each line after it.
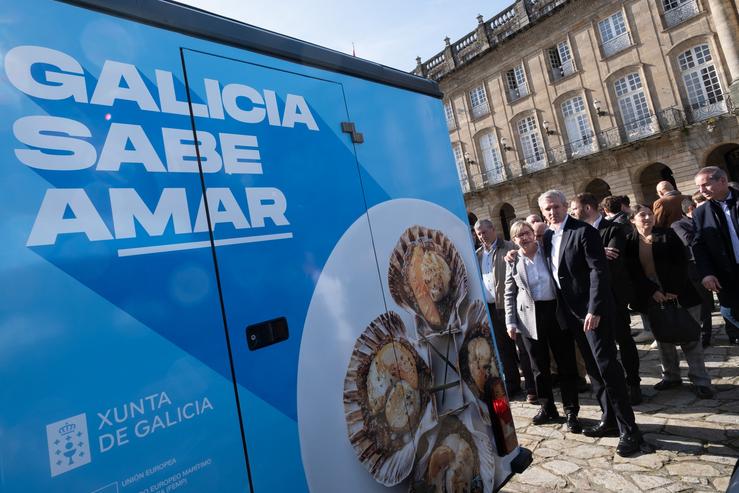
x,y
668,208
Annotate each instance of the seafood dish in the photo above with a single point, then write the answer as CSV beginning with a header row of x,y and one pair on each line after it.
x,y
385,397
453,459
428,277
477,358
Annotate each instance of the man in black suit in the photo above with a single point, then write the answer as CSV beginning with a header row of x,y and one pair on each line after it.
x,y
585,305
685,229
585,208
716,242
614,207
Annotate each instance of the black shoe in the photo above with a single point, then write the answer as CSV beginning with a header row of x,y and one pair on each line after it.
x,y
532,399
573,424
582,385
600,430
631,443
545,416
703,392
667,384
734,341
635,396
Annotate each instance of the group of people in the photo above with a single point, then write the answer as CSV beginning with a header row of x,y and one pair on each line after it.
x,y
565,286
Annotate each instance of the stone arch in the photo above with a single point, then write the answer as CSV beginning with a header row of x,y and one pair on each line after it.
x,y
506,215
599,188
725,156
648,179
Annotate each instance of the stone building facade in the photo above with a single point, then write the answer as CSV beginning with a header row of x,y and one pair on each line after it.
x,y
608,96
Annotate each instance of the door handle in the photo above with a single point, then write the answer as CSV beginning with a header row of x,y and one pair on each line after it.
x,y
263,334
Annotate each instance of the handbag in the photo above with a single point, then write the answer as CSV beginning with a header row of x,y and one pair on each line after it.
x,y
672,323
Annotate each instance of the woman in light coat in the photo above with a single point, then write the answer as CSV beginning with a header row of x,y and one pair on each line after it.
x,y
530,313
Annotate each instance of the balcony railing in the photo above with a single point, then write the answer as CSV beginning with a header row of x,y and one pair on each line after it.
x,y
491,177
514,94
480,110
702,111
663,121
682,13
567,68
488,35
614,45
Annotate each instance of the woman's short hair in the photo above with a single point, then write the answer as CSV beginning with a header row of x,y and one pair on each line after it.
x,y
518,226
638,208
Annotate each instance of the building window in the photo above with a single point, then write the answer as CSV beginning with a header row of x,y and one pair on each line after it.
x,y
461,167
632,103
561,63
678,11
479,101
449,113
492,163
577,125
516,83
531,144
614,36
705,97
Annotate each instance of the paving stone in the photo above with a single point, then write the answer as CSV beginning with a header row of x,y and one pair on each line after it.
x,y
722,450
589,451
538,476
674,443
692,470
721,484
545,431
647,482
649,461
546,453
701,430
561,467
732,419
611,481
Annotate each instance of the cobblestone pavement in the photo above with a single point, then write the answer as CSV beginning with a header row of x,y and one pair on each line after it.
x,y
697,440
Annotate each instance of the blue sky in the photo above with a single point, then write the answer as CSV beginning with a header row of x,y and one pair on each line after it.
x,y
389,32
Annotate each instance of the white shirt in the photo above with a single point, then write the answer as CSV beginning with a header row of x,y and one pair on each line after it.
x,y
540,282
488,278
556,245
732,229
596,223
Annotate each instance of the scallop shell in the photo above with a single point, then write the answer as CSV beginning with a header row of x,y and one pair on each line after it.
x,y
478,332
448,307
387,454
483,465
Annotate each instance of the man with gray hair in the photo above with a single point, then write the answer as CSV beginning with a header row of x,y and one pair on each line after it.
x,y
716,242
491,257
579,268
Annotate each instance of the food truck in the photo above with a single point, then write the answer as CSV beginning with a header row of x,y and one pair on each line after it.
x,y
232,261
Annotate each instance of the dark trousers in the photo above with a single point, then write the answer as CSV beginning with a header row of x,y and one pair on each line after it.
x,y
707,304
508,357
626,344
598,348
549,335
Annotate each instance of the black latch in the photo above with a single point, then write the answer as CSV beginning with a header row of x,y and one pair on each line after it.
x,y
266,333
348,127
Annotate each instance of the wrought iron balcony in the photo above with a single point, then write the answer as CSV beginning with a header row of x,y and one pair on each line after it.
x,y
567,68
681,13
480,110
706,109
514,94
614,45
663,121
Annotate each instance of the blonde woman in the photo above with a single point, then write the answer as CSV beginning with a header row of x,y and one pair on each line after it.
x,y
530,314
